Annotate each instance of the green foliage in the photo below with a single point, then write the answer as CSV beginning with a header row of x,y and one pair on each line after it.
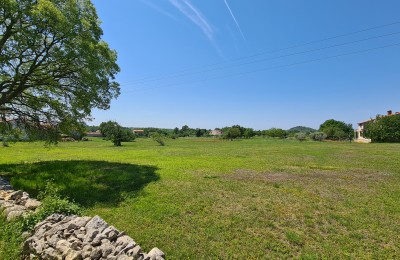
x,y
10,238
159,138
8,132
383,129
54,66
248,133
117,134
186,131
337,130
275,132
231,133
52,203
317,136
300,137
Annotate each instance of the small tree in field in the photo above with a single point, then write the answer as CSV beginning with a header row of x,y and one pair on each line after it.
x,y
159,138
117,134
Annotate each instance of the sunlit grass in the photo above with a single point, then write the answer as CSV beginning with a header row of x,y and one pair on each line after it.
x,y
206,198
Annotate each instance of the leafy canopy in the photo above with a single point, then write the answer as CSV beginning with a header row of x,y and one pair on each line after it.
x,y
116,133
336,130
383,129
54,66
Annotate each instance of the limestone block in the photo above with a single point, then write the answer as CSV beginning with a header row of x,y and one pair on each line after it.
x,y
95,225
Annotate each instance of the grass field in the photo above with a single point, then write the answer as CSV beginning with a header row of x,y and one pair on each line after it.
x,y
206,198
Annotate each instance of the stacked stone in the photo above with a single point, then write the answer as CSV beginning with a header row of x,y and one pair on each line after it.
x,y
71,237
75,238
15,203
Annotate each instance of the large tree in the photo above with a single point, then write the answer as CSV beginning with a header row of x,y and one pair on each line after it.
x,y
337,130
54,66
383,129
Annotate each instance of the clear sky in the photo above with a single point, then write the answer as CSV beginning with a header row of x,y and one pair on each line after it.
x,y
257,63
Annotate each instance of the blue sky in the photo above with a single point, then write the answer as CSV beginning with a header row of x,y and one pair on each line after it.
x,y
258,63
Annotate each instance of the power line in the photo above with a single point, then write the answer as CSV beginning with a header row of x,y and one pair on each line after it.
x,y
262,53
273,58
275,67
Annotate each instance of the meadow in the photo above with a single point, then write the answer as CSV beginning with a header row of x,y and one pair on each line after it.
x,y
205,198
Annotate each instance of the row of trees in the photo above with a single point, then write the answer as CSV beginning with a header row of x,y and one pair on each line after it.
x,y
381,129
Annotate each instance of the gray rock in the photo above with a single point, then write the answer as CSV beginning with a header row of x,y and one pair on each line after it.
x,y
96,224
86,251
14,195
128,246
124,257
156,253
135,252
5,204
124,241
32,204
112,236
97,240
81,237
76,244
73,255
51,254
52,240
96,253
63,246
15,214
14,208
43,229
107,249
144,256
79,222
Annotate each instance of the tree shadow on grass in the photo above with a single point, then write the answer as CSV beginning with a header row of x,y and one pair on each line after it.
x,y
85,182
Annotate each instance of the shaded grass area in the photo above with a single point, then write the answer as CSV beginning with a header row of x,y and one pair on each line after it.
x,y
86,182
256,199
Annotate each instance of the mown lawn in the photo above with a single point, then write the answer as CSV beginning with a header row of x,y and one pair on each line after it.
x,y
206,198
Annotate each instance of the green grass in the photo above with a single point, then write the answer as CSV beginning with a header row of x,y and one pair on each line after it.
x,y
205,198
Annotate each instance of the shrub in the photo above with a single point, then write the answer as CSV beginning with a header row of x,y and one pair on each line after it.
x,y
51,203
318,136
159,138
300,136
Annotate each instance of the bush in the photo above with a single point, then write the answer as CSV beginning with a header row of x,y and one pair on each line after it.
x,y
300,137
51,203
318,136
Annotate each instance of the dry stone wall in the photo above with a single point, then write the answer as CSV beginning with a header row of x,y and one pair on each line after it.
x,y
71,237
